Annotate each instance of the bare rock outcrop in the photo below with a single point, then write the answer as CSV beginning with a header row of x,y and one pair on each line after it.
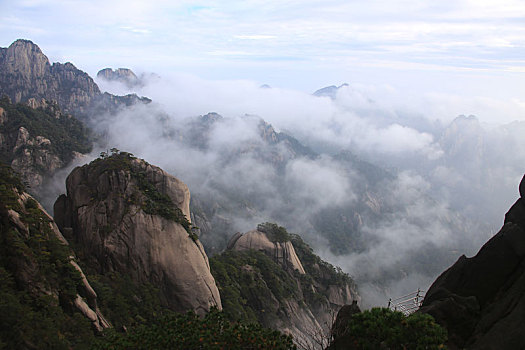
x,y
282,252
132,218
25,72
122,75
480,300
33,158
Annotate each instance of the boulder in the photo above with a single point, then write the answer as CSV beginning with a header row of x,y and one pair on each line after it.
x,y
106,212
282,252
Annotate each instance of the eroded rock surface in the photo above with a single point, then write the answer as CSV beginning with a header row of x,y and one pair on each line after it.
x,y
282,252
25,72
131,217
37,139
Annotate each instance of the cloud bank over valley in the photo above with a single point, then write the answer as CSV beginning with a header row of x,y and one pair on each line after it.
x,y
392,194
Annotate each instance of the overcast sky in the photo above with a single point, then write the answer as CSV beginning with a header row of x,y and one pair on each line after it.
x,y
464,47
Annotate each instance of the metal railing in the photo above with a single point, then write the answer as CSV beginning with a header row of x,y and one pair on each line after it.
x,y
407,304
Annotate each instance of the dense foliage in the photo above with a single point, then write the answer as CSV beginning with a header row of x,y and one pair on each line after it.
x,y
274,232
380,328
67,134
124,302
250,283
37,282
319,273
191,332
257,287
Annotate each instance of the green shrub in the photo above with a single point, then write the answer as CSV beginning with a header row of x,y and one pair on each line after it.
x,y
380,328
66,133
248,281
37,282
274,232
191,332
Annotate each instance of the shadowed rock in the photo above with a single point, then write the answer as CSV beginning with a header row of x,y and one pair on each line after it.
x,y
480,300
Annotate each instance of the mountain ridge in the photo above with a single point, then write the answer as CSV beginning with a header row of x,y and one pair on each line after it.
x,y
25,72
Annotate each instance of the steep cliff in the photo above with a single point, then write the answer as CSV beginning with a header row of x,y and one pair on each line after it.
x,y
25,72
272,277
46,300
131,218
480,300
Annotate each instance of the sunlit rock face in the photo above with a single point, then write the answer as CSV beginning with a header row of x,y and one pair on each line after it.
x,y
25,72
108,212
282,252
316,289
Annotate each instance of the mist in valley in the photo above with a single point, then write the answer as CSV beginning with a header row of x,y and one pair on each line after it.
x,y
391,194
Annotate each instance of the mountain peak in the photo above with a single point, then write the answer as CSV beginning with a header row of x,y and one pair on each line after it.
x,y
329,91
25,72
122,75
25,58
26,44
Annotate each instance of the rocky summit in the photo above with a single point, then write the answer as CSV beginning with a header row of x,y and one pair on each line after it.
x,y
480,300
131,218
122,75
25,72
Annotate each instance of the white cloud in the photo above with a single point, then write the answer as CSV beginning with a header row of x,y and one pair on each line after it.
x,y
395,35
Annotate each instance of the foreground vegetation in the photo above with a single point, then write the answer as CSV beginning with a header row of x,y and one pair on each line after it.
x,y
188,331
37,282
382,328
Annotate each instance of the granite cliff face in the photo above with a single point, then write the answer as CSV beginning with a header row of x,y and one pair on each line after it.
x,y
25,72
130,217
480,300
